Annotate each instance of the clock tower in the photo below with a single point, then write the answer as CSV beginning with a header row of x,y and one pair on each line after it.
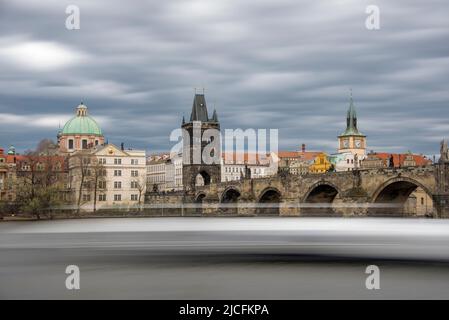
x,y
352,140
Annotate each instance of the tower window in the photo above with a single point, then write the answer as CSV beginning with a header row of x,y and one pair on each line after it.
x,y
84,144
70,144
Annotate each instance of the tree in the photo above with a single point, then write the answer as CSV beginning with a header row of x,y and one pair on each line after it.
x,y
40,182
80,168
98,176
141,186
88,175
46,147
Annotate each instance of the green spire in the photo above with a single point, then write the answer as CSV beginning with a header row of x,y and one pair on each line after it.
x,y
351,120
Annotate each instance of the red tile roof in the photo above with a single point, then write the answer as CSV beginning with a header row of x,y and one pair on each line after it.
x,y
232,157
399,158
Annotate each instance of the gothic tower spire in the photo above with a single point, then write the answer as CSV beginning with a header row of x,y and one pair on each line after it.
x,y
352,140
351,119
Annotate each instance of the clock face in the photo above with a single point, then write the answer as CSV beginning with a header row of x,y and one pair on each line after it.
x,y
345,143
358,143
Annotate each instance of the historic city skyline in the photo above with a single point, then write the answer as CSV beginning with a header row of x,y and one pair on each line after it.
x,y
140,73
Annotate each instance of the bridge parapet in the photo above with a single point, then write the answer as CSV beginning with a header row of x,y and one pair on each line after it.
x,y
348,193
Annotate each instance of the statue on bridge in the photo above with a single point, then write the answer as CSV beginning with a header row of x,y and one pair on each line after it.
x,y
444,152
391,161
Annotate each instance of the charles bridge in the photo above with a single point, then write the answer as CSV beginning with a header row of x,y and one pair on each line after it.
x,y
364,192
358,192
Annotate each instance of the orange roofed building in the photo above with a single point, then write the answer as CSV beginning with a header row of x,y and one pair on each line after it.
x,y
14,167
299,162
394,160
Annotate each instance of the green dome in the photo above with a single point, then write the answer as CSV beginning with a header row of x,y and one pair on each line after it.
x,y
81,124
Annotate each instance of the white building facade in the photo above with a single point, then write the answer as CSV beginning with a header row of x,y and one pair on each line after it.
x,y
112,178
346,161
165,174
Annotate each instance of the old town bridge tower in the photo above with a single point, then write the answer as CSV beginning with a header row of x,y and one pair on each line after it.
x,y
198,169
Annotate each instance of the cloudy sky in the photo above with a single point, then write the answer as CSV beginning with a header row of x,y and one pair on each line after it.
x,y
285,64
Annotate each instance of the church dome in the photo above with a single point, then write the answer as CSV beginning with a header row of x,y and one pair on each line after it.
x,y
81,124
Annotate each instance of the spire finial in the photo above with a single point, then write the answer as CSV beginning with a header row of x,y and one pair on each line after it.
x,y
215,116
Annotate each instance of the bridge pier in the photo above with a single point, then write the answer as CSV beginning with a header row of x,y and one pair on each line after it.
x,y
441,202
289,208
441,198
246,207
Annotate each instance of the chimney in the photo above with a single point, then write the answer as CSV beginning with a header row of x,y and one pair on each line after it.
x,y
122,146
303,148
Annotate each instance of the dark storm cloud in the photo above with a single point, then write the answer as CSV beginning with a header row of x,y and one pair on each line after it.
x,y
284,64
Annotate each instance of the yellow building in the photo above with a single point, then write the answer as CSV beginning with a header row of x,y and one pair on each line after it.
x,y
321,164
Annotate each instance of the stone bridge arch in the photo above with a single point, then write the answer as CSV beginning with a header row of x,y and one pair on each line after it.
x,y
198,200
229,199
202,178
318,199
269,200
390,197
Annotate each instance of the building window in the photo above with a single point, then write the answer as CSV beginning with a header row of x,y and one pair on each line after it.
x,y
134,173
84,144
134,185
102,184
118,173
134,197
96,142
101,197
134,161
117,184
117,161
422,201
70,144
117,197
102,161
86,197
